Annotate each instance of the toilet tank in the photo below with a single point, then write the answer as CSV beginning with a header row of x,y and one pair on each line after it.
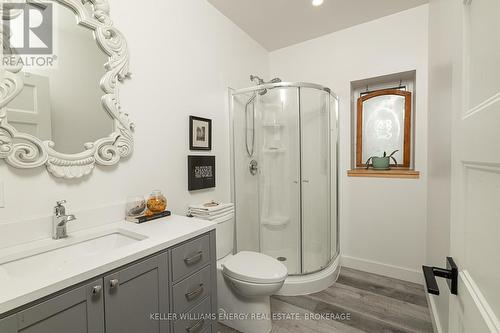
x,y
224,236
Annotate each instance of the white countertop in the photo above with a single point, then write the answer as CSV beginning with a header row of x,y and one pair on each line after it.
x,y
161,234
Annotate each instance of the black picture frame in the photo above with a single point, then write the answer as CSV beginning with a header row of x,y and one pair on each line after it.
x,y
196,128
201,172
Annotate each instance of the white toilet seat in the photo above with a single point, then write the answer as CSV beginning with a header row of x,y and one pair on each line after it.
x,y
254,268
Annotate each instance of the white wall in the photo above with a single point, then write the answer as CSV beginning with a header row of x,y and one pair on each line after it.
x,y
440,114
184,56
383,221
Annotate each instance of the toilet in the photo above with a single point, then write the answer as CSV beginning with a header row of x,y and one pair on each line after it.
x,y
245,282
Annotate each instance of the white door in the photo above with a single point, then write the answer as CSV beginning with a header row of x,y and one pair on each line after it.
x,y
475,221
30,111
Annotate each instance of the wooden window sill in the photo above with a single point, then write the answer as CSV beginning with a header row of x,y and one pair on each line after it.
x,y
392,173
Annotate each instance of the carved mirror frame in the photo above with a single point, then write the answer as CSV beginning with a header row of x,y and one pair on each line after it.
x,y
24,151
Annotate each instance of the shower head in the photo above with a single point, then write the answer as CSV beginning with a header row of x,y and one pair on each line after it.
x,y
259,81
264,91
256,78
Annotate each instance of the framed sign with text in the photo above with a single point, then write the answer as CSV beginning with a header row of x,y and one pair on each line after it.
x,y
201,172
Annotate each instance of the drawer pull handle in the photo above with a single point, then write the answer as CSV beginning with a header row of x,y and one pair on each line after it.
x,y
194,259
195,293
96,290
196,327
114,283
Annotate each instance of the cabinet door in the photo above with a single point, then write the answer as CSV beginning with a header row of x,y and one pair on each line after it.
x,y
76,311
136,295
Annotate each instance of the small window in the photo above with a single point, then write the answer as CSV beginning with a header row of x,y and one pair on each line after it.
x,y
384,125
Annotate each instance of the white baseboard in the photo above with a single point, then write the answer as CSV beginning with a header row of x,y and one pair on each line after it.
x,y
375,267
436,323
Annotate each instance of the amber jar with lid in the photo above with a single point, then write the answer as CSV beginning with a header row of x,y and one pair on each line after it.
x,y
157,202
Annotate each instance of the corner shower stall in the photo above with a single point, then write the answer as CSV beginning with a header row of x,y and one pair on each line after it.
x,y
284,173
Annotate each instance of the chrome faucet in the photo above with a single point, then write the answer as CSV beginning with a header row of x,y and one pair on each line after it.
x,y
59,221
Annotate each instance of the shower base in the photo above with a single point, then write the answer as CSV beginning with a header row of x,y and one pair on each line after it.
x,y
311,283
288,257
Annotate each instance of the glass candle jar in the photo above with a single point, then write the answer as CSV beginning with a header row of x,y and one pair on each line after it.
x,y
157,202
135,206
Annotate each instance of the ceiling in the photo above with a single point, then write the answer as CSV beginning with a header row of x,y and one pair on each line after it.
x,y
279,23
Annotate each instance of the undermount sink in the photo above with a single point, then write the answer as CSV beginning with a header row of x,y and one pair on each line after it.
x,y
53,258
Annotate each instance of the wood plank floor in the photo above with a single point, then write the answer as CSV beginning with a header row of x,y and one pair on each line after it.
x,y
369,303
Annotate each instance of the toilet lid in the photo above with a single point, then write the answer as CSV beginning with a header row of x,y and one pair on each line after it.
x,y
254,267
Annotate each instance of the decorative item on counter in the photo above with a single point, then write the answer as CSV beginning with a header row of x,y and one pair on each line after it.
x,y
156,203
156,208
135,206
383,162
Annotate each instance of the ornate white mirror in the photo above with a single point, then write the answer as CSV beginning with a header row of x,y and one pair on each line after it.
x,y
61,67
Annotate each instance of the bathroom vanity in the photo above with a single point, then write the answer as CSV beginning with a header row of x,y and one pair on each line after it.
x,y
122,277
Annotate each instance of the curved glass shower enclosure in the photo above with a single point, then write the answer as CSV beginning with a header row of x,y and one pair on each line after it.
x,y
284,155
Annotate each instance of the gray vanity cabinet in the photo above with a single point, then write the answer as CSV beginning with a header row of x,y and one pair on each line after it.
x,y
77,311
135,293
174,290
194,285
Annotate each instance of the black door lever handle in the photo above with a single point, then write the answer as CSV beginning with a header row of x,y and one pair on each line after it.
x,y
430,280
450,274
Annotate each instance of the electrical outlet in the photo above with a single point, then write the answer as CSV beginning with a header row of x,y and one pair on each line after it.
x,y
2,195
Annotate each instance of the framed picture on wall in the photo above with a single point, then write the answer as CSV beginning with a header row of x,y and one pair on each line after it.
x,y
201,172
200,133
